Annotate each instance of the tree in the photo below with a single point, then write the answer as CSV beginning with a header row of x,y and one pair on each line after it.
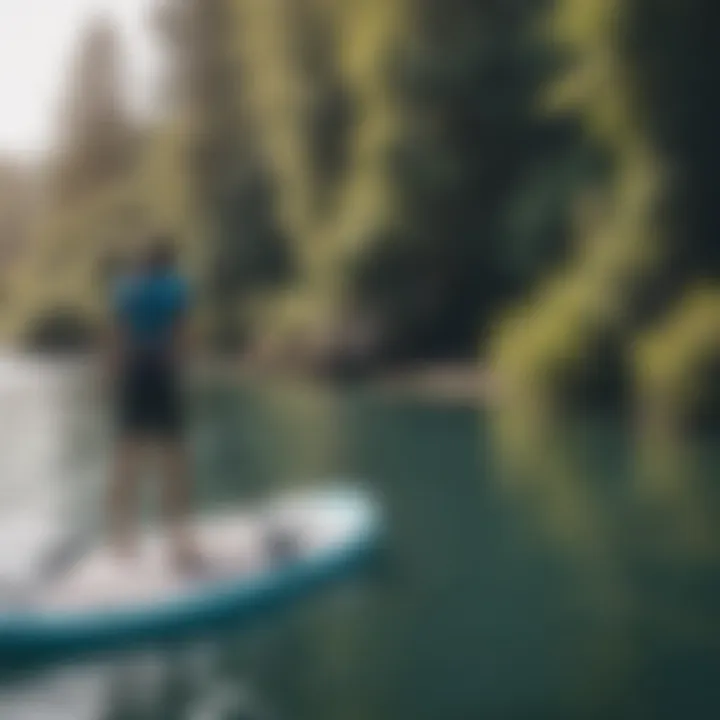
x,y
241,244
641,94
425,111
464,76
97,138
87,201
18,205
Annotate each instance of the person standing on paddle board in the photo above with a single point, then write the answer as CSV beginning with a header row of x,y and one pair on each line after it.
x,y
150,307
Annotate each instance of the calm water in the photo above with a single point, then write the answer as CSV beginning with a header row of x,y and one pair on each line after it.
x,y
544,572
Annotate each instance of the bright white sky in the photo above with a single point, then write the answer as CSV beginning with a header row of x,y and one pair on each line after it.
x,y
37,42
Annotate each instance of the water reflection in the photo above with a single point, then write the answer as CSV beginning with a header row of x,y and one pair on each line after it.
x,y
676,483
309,429
679,503
189,684
635,521
543,467
252,439
40,478
547,570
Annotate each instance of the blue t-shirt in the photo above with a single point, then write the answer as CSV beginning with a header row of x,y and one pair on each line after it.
x,y
149,306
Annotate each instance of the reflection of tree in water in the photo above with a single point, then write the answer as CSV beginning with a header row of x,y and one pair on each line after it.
x,y
306,422
673,485
253,438
307,662
638,527
194,682
679,504
543,465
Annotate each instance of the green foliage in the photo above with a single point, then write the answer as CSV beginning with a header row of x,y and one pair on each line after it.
x,y
61,330
341,172
238,247
64,266
384,179
630,81
677,363
397,134
86,208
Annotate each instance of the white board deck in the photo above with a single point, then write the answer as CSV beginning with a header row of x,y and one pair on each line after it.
x,y
233,546
105,601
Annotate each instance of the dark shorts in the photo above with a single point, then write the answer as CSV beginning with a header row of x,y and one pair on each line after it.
x,y
150,399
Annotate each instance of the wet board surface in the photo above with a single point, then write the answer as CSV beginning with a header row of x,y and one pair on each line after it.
x,y
251,557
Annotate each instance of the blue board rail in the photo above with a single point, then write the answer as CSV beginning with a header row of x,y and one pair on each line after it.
x,y
37,635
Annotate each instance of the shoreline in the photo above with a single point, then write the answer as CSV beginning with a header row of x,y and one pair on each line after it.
x,y
456,383
464,382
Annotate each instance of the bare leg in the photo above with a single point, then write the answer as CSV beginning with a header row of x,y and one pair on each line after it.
x,y
177,497
123,496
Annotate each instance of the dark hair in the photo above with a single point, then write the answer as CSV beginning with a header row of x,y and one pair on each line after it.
x,y
161,254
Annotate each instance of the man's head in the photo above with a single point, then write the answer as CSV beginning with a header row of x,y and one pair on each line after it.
x,y
160,254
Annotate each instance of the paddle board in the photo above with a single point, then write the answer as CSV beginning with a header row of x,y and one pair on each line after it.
x,y
254,560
